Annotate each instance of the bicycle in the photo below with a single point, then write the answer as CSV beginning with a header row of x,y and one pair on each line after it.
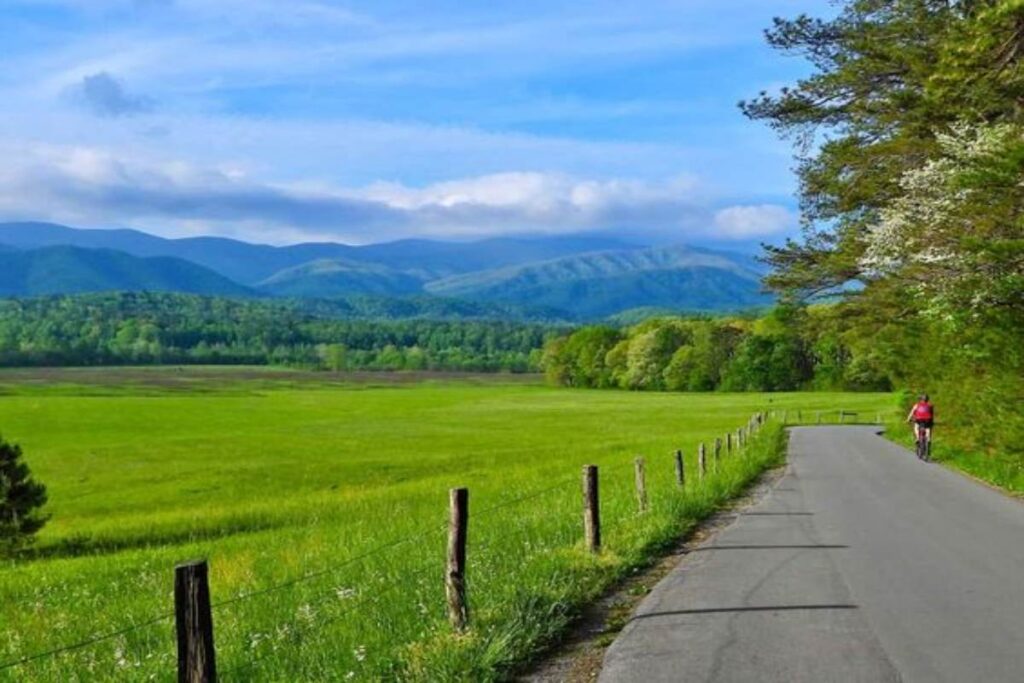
x,y
923,444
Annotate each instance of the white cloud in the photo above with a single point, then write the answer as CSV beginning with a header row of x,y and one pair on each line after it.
x,y
760,220
96,187
299,120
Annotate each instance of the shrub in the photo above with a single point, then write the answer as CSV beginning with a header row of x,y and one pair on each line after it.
x,y
21,499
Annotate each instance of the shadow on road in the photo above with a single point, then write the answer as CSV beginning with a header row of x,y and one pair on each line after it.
x,y
765,608
767,547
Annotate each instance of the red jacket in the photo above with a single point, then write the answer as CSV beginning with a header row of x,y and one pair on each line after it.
x,y
923,411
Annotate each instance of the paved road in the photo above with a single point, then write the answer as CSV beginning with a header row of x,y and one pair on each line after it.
x,y
861,564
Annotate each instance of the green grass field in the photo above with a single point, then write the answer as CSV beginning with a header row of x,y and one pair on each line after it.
x,y
1001,470
286,483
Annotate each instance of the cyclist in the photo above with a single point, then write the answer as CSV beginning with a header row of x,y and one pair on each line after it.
x,y
923,417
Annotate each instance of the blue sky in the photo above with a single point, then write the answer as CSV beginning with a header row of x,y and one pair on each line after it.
x,y
363,122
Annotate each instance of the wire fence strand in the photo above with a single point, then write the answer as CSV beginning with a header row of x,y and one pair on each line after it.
x,y
348,609
326,571
84,643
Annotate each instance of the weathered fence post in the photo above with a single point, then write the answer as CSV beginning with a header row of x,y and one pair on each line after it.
x,y
680,470
842,416
739,438
194,621
819,417
591,509
455,575
799,416
641,485
728,443
878,418
718,451
702,461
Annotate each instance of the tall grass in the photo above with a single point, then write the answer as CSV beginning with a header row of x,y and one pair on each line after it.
x,y
954,449
290,492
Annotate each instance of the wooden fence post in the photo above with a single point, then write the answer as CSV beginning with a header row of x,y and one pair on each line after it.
x,y
702,461
878,418
680,470
728,443
718,451
799,416
591,509
197,661
455,575
842,416
739,438
819,417
641,485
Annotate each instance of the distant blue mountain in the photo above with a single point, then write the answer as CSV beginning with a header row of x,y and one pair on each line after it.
x,y
70,270
602,284
582,277
250,264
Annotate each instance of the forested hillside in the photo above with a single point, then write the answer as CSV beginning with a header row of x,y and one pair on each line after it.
x,y
151,328
250,264
584,277
597,285
69,270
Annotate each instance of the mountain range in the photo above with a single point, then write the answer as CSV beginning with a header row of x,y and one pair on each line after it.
x,y
584,277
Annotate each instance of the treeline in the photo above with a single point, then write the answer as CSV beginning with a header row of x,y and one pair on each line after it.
x,y
163,328
788,349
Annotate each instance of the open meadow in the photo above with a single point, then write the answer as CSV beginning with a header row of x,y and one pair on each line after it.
x,y
321,503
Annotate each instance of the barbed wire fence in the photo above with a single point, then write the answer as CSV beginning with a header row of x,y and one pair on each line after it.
x,y
193,619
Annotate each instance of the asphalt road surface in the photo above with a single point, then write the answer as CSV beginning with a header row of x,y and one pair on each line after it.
x,y
860,564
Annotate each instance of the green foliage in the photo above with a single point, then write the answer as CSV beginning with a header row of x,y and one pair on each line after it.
x,y
580,360
911,171
789,348
154,328
21,499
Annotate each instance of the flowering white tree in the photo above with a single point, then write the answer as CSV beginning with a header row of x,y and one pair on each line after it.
x,y
955,237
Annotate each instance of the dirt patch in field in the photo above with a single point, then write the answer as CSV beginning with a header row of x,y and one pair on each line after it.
x,y
196,377
578,659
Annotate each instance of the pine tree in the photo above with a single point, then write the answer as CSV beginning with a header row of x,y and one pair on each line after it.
x,y
21,498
